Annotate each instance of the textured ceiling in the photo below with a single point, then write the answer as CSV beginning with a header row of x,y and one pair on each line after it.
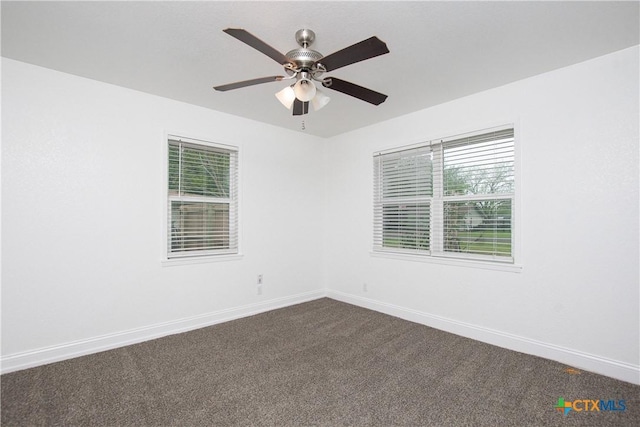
x,y
439,50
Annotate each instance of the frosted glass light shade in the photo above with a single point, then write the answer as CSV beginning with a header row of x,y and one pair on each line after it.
x,y
286,96
305,90
320,100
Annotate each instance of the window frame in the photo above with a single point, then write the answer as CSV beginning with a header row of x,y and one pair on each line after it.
x,y
436,253
233,235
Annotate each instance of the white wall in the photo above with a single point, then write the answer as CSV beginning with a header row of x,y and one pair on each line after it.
x,y
576,298
83,202
83,199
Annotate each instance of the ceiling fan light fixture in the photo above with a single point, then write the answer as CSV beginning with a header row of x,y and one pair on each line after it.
x,y
320,100
305,90
286,96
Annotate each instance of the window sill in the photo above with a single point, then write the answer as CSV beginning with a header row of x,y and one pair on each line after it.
x,y
200,259
486,265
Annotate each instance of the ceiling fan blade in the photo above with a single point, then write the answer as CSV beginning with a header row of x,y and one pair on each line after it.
x,y
256,43
299,107
366,49
368,95
238,85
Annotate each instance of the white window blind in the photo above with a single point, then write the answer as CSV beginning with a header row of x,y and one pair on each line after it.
x,y
402,207
451,198
478,195
202,199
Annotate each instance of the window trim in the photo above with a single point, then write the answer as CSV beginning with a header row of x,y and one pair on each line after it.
x,y
457,262
512,263
222,255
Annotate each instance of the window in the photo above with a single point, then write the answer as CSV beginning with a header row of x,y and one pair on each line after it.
x,y
452,198
202,199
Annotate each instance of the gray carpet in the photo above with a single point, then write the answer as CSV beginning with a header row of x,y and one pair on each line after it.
x,y
321,363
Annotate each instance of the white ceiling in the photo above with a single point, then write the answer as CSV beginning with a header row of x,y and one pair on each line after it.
x,y
439,50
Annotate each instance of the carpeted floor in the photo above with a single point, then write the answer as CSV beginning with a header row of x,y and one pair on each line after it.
x,y
321,363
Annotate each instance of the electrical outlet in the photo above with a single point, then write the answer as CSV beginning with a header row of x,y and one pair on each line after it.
x,y
259,279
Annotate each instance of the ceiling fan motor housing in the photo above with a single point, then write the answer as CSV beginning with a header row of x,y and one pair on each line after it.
x,y
303,58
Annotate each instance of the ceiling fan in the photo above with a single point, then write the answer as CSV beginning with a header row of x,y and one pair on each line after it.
x,y
306,66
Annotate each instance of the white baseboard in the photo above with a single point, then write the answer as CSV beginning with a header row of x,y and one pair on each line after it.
x,y
43,356
588,362
611,368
